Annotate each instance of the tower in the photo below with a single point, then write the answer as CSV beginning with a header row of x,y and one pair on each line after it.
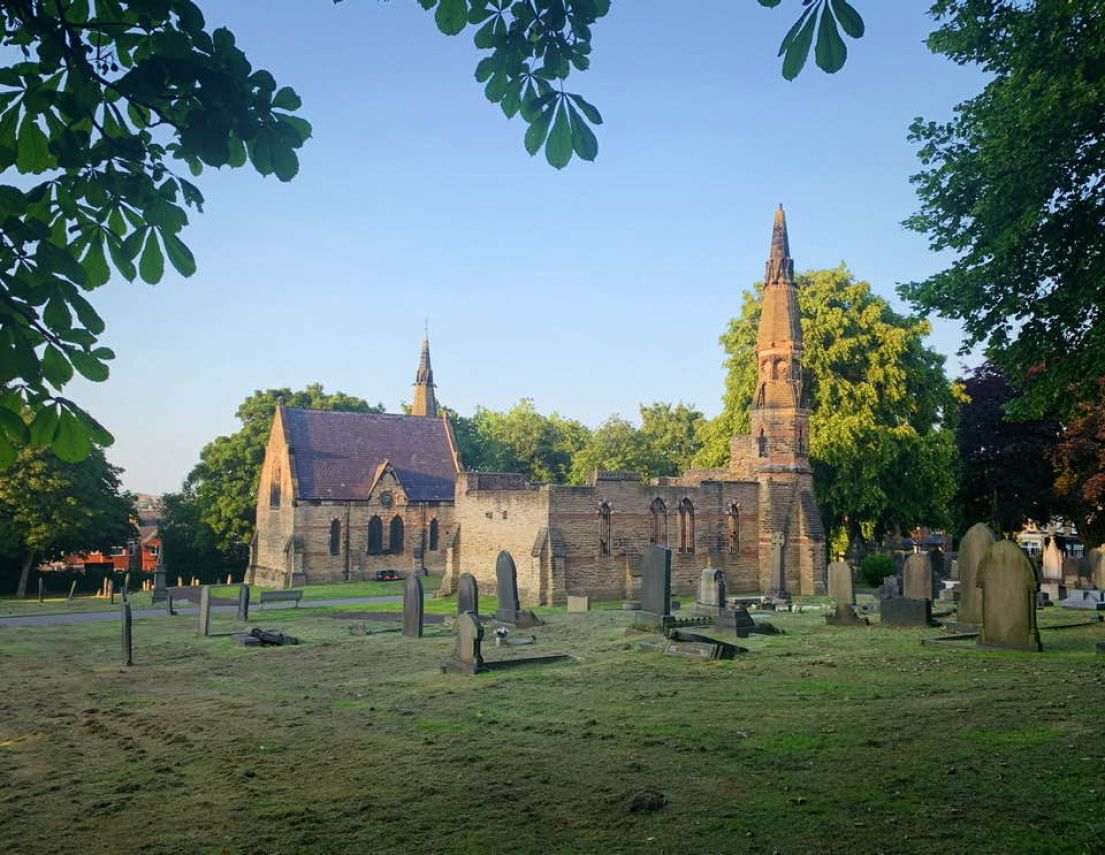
x,y
792,538
424,403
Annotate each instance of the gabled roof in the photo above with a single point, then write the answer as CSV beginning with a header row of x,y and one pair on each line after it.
x,y
337,455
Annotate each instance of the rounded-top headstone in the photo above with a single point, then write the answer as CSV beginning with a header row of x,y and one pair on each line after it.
x,y
1097,567
974,545
468,594
1008,583
842,587
506,584
917,577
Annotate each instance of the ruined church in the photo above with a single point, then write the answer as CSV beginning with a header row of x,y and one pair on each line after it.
x,y
345,495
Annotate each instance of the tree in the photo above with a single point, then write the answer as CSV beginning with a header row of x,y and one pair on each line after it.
x,y
520,440
616,445
882,420
49,508
223,485
1006,471
1014,186
189,545
664,444
1079,460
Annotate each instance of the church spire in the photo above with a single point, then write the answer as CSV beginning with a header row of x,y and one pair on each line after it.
x,y
425,402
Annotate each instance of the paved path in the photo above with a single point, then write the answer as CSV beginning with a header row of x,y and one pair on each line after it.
x,y
254,608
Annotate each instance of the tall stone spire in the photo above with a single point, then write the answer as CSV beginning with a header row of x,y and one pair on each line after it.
x,y
425,402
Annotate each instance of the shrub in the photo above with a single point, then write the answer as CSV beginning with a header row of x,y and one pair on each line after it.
x,y
874,568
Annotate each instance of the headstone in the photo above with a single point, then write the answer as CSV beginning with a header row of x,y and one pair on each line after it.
x,y
72,591
842,588
205,610
506,582
1093,601
698,646
126,585
159,572
111,590
778,590
179,582
905,611
412,606
243,602
1052,562
1074,569
737,621
891,587
169,603
467,657
975,542
711,592
917,577
124,614
656,582
1008,584
41,589
1097,567
468,594
844,615
579,604
954,573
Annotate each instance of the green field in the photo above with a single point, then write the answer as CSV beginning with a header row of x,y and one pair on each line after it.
x,y
819,740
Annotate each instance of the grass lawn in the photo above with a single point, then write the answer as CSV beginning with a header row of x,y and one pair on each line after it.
x,y
823,739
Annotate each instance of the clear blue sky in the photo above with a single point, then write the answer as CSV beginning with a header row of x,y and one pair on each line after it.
x,y
590,290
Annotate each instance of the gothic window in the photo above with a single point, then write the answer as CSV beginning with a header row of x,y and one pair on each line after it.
x,y
433,534
686,526
780,370
801,441
375,535
395,535
604,529
761,440
733,527
658,530
335,537
274,488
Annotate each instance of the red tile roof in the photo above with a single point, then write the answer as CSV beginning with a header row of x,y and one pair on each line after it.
x,y
337,453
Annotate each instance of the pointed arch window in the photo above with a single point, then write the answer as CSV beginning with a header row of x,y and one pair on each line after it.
x,y
761,441
435,534
733,527
375,535
604,529
686,526
395,535
335,537
658,522
274,487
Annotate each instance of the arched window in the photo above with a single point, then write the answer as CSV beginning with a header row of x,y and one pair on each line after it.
x,y
658,532
375,535
604,529
395,535
274,487
434,534
335,537
686,526
761,440
733,527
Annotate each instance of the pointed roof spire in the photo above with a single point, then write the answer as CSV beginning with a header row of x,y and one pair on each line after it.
x,y
425,402
780,268
425,372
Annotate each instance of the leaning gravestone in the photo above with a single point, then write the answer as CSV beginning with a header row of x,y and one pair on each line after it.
x,y
124,614
243,602
974,545
917,577
205,610
468,594
467,658
506,583
1008,583
844,615
736,620
656,583
413,604
711,592
841,587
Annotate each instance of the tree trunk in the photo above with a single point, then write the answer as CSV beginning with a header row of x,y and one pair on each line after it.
x,y
25,572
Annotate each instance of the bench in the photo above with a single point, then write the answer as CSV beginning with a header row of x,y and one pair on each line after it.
x,y
280,597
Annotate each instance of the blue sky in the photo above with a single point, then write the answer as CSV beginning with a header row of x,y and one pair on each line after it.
x,y
590,290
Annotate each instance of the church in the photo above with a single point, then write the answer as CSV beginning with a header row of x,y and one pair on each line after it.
x,y
344,495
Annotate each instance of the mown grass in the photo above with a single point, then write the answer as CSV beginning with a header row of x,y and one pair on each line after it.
x,y
820,740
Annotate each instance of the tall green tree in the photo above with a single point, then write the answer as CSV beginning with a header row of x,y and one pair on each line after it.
x,y
520,440
882,438
50,507
1079,459
223,485
1013,186
664,444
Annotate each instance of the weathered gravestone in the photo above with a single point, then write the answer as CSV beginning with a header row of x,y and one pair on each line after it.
x,y
737,621
844,615
917,577
579,604
842,588
72,591
1093,601
1052,562
974,545
506,585
778,590
467,658
468,594
698,646
243,602
1074,570
1097,567
124,614
656,584
905,611
1008,584
413,604
711,592
891,587
205,610
41,589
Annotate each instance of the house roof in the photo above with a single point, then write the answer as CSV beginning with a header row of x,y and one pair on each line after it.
x,y
337,454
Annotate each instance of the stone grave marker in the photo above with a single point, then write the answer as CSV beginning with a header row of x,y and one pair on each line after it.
x,y
205,610
1097,567
842,588
124,614
1052,562
72,591
579,604
111,590
169,603
891,587
506,584
974,545
778,589
413,603
126,585
41,589
243,602
468,594
467,658
656,582
905,611
737,621
1008,584
711,592
917,577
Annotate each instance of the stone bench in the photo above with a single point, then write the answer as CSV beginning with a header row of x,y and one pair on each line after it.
x,y
280,597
